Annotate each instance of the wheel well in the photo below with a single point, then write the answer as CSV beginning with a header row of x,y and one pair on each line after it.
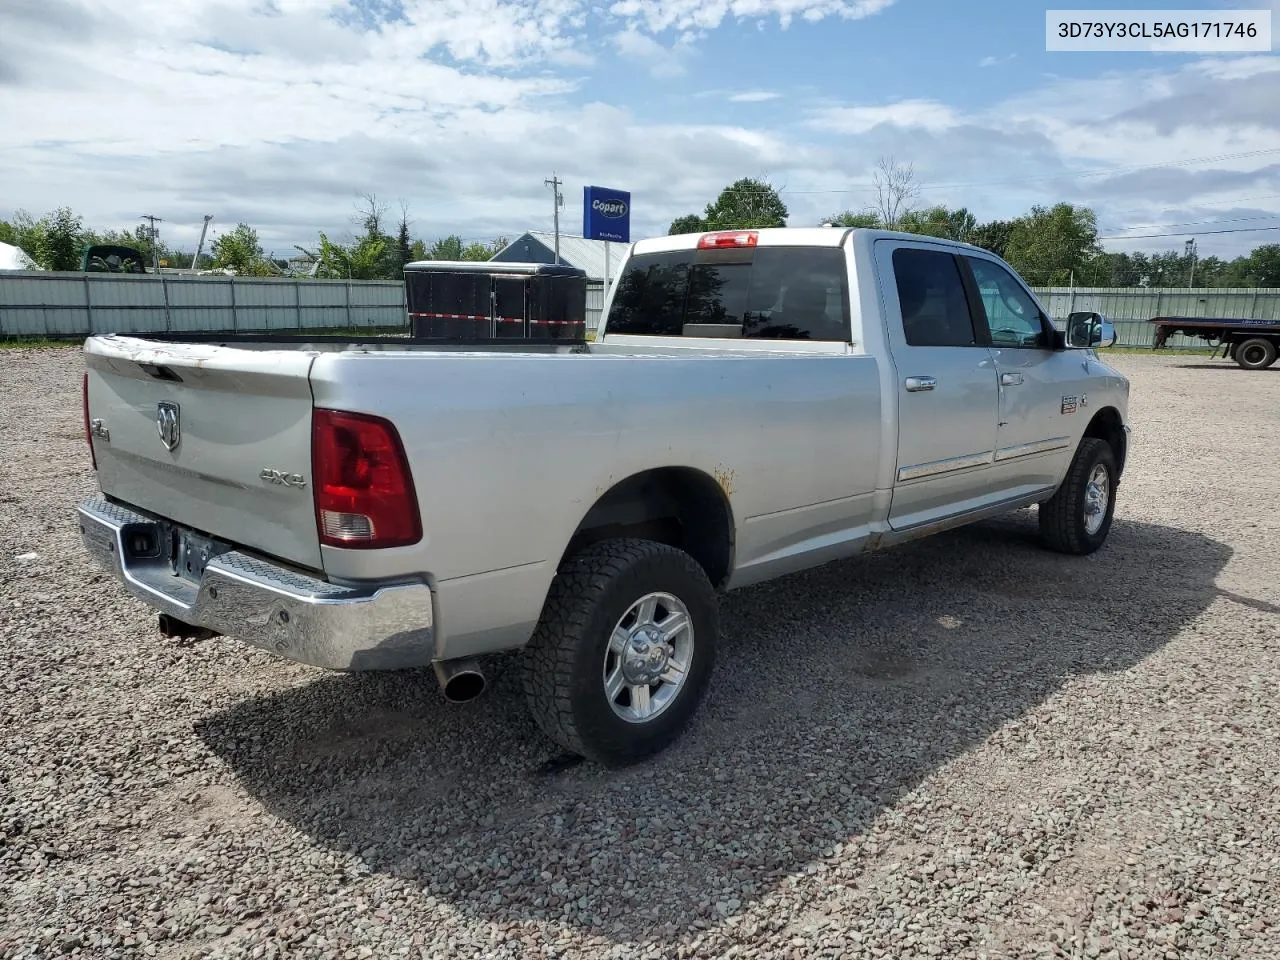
x,y
1107,425
679,506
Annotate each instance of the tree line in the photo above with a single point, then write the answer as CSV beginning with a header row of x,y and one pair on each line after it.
x,y
1048,245
378,251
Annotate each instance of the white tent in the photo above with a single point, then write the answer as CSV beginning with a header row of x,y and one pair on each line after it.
x,y
15,258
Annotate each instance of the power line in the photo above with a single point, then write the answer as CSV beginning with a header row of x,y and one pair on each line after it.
x,y
1204,203
1197,223
1193,233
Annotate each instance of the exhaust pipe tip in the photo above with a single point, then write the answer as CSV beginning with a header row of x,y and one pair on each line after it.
x,y
460,680
176,629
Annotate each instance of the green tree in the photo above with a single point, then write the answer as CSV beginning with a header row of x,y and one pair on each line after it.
x,y
476,251
992,235
939,221
404,248
1262,267
452,248
744,204
852,218
689,223
446,248
1210,272
364,259
1049,244
418,250
240,251
55,241
1117,269
375,242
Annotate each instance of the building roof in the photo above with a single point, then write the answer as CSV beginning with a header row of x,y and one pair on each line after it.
x,y
536,246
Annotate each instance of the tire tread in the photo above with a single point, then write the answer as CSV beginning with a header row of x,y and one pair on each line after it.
x,y
1060,513
580,584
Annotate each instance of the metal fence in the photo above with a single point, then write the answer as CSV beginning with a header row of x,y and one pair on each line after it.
x,y
49,304
40,304
1131,307
46,304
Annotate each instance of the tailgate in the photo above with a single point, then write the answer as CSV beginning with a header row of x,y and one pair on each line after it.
x,y
214,438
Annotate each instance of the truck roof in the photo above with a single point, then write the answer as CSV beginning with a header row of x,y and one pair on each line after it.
x,y
790,237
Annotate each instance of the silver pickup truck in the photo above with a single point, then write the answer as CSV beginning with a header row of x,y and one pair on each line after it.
x,y
756,403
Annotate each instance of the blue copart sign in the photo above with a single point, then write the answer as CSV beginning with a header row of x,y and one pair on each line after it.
x,y
606,214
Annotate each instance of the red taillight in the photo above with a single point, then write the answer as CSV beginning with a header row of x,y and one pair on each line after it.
x,y
728,238
363,489
88,437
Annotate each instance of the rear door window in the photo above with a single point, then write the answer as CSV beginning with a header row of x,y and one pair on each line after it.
x,y
789,293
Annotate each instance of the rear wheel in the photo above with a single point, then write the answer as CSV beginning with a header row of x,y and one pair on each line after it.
x,y
621,657
1256,353
1077,518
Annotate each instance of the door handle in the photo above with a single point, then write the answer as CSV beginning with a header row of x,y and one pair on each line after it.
x,y
916,384
1010,379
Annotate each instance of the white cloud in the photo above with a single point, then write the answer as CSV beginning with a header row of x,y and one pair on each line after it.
x,y
925,114
279,112
993,61
663,61
754,96
702,15
1150,145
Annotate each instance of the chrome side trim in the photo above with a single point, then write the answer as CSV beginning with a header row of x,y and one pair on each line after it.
x,y
378,626
935,467
1036,446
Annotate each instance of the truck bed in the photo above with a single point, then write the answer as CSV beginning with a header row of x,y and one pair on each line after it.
x,y
572,419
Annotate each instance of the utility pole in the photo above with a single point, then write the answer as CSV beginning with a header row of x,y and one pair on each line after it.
x,y
1190,248
554,183
155,248
195,261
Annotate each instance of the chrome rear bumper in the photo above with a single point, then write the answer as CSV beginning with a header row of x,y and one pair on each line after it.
x,y
292,615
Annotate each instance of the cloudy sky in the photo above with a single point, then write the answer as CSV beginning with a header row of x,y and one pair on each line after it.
x,y
280,112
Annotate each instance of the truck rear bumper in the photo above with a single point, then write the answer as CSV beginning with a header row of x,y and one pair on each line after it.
x,y
292,615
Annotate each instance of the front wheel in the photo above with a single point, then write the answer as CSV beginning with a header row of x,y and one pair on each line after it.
x,y
620,658
1077,518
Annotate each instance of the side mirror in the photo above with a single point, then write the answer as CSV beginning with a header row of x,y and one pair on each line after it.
x,y
1086,330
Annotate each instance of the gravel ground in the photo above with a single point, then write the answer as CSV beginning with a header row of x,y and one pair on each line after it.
x,y
964,747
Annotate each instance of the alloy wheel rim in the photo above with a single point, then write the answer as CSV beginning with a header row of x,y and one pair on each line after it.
x,y
1097,497
647,661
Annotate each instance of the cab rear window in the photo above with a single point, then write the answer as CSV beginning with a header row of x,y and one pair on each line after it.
x,y
785,293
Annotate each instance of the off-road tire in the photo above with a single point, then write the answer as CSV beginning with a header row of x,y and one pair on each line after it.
x,y
1062,516
564,660
1256,353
